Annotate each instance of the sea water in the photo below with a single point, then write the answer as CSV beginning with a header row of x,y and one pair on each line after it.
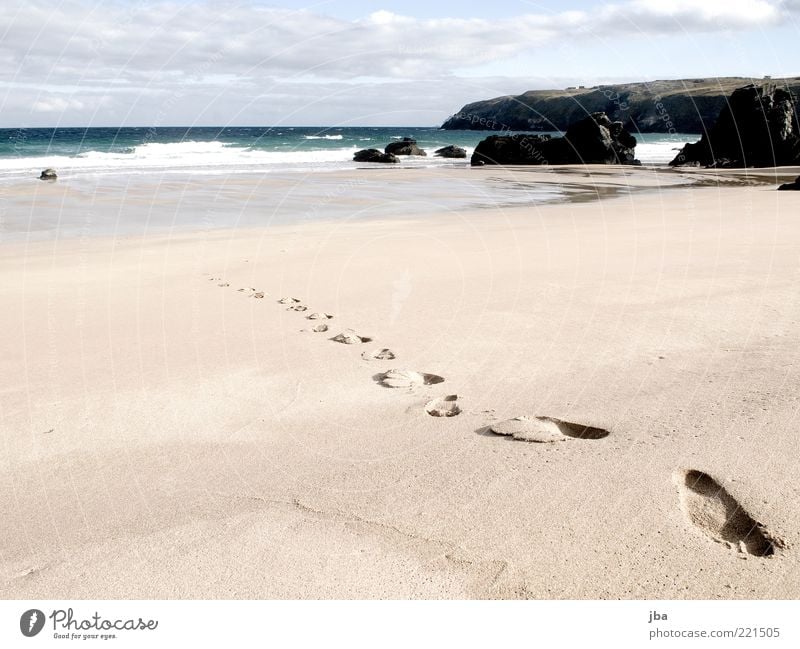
x,y
215,150
139,180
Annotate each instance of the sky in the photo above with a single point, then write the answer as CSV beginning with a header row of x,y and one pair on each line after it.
x,y
411,63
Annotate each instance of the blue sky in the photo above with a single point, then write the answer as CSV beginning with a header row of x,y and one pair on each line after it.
x,y
206,62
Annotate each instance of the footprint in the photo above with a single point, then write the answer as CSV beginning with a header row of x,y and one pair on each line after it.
x,y
288,300
718,515
350,337
298,307
379,355
546,429
444,406
407,379
319,328
259,295
224,284
319,316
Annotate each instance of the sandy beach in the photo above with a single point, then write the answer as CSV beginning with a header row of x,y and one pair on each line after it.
x,y
168,434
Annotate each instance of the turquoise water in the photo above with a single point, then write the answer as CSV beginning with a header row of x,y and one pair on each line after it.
x,y
140,180
238,149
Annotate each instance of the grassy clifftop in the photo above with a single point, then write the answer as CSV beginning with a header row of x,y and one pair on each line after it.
x,y
683,106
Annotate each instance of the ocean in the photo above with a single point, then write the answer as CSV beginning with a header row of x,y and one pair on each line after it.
x,y
215,150
119,181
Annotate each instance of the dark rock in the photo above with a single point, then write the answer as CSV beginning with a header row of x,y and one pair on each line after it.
x,y
757,128
373,155
791,186
48,174
675,106
451,151
406,146
593,140
510,150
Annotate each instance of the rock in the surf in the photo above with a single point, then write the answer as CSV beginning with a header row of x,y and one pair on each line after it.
x,y
450,151
406,146
373,155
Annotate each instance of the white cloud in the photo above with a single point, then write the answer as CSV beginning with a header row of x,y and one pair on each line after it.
x,y
57,105
80,39
694,16
190,53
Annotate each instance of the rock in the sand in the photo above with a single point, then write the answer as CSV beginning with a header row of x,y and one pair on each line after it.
x,y
791,186
408,379
406,146
450,151
48,174
593,140
373,155
756,128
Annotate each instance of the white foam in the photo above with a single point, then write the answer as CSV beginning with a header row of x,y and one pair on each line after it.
x,y
220,157
324,137
181,155
657,152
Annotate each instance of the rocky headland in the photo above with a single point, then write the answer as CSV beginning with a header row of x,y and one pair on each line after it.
x,y
675,106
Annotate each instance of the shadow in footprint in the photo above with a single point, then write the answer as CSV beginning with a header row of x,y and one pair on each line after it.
x,y
486,431
446,406
406,379
711,509
350,337
383,354
579,431
546,429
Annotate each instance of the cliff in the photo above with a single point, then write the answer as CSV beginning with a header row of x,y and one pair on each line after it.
x,y
680,106
757,127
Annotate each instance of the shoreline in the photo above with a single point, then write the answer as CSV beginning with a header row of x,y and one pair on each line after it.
x,y
189,441
77,206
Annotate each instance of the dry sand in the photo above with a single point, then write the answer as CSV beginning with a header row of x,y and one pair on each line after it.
x,y
166,435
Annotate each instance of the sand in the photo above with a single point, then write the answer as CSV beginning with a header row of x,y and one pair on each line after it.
x,y
167,435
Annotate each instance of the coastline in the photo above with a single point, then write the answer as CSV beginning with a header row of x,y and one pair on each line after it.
x,y
90,205
187,441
